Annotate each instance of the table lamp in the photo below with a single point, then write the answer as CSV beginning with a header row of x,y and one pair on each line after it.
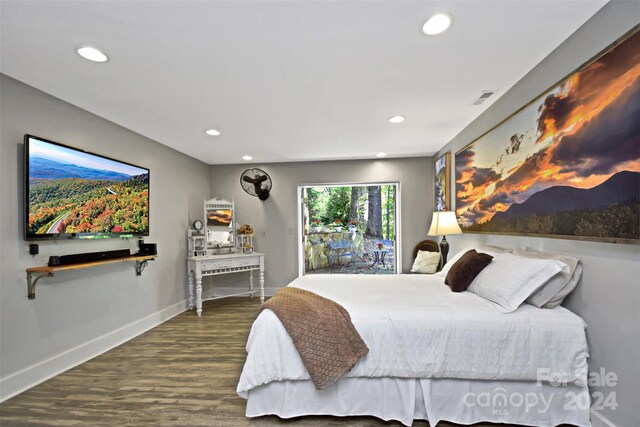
x,y
444,222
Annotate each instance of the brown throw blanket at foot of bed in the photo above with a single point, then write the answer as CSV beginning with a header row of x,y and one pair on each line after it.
x,y
328,343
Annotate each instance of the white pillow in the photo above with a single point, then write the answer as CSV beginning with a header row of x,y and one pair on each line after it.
x,y
450,262
426,262
560,285
568,288
511,279
496,249
456,257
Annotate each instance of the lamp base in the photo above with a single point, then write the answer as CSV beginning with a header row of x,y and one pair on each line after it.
x,y
444,249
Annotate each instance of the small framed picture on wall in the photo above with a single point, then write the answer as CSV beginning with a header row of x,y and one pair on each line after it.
x,y
442,174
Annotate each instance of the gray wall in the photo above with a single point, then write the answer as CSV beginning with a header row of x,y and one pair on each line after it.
x,y
277,217
608,297
74,308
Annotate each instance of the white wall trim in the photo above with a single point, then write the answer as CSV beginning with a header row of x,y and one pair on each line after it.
x,y
599,420
31,376
299,231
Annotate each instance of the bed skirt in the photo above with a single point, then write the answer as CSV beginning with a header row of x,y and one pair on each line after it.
x,y
403,400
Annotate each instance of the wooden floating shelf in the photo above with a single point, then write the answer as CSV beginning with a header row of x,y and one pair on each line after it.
x,y
36,273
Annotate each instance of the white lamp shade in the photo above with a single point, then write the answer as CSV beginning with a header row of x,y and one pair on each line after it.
x,y
444,223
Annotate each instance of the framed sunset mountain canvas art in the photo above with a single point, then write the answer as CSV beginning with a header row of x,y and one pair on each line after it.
x,y
565,165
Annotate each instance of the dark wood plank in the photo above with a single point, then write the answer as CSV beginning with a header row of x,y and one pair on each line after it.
x,y
47,269
181,373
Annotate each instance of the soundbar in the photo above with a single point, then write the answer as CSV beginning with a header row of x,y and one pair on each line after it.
x,y
88,257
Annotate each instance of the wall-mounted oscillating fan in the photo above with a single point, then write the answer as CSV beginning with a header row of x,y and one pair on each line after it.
x,y
256,182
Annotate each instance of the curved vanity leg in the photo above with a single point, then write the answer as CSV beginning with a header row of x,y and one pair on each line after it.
x,y
251,282
199,295
191,300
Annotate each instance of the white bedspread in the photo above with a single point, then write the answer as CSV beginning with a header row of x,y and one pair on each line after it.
x,y
416,327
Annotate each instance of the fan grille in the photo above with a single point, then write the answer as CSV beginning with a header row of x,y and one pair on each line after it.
x,y
254,181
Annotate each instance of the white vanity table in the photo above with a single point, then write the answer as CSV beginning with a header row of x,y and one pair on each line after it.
x,y
212,246
212,265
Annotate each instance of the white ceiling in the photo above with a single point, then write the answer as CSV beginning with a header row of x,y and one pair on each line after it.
x,y
283,80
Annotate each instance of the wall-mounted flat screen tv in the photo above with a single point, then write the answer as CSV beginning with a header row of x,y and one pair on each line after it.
x,y
71,193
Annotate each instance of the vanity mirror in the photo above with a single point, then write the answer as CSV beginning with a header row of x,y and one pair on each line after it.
x,y
219,223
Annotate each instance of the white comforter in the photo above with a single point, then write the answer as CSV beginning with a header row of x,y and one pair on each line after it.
x,y
416,327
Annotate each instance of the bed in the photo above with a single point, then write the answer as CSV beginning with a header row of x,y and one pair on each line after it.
x,y
434,355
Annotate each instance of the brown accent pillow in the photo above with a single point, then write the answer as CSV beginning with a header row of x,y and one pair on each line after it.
x,y
462,273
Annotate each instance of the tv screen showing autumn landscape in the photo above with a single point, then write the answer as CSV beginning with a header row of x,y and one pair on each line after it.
x,y
72,193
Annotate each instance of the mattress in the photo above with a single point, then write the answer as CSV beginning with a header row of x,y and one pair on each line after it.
x,y
415,327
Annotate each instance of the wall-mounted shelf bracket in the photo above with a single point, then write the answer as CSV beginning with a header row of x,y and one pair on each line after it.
x,y
32,281
141,265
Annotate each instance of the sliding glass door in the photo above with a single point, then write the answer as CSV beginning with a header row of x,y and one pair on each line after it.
x,y
349,228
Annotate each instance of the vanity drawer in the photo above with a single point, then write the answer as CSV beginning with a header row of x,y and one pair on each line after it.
x,y
248,260
217,264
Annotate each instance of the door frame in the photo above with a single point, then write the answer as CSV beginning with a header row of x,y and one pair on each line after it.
x,y
397,217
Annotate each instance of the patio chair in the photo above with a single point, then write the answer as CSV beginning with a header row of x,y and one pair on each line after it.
x,y
339,248
357,246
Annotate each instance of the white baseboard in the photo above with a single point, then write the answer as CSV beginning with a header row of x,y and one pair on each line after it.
x,y
23,380
599,420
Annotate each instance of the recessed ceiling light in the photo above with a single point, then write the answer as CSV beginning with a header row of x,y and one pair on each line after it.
x,y
396,119
212,132
437,24
381,154
92,54
247,158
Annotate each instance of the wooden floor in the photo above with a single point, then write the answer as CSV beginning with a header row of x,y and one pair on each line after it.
x,y
181,373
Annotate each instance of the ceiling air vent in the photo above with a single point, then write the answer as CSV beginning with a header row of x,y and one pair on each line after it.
x,y
484,95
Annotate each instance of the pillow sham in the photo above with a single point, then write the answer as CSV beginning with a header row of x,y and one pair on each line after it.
x,y
462,273
569,287
450,262
511,279
426,262
456,257
563,281
496,249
